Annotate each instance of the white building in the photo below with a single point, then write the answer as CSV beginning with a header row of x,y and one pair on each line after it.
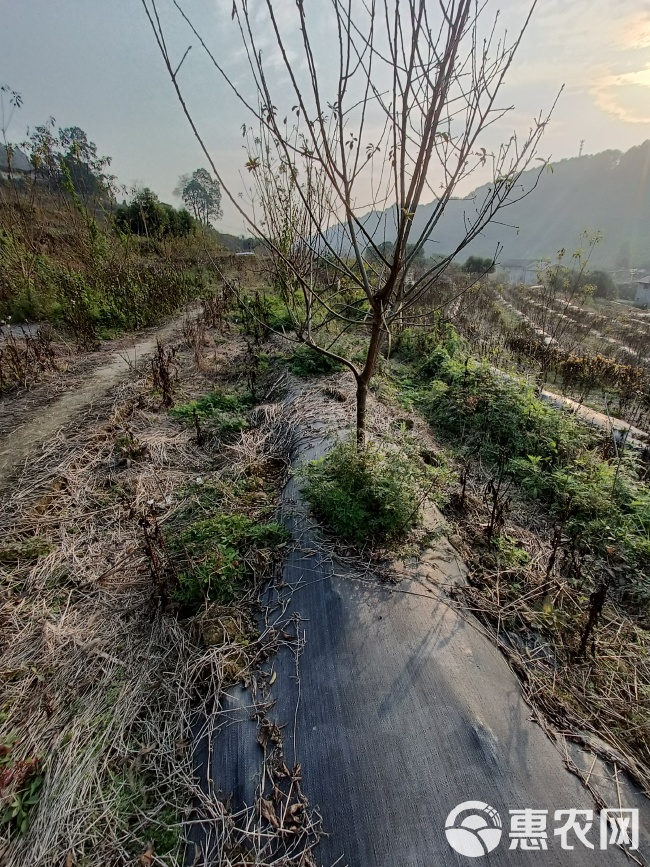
x,y
522,271
642,295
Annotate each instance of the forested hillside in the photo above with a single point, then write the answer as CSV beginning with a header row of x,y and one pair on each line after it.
x,y
607,192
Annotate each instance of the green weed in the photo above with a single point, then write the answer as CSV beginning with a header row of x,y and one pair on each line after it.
x,y
167,832
496,415
21,782
25,551
426,350
213,555
305,361
226,410
510,553
372,493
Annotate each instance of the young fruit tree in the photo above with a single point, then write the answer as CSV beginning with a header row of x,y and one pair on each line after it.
x,y
362,112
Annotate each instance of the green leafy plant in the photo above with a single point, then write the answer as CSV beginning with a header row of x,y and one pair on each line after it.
x,y
369,493
417,346
510,552
500,414
20,784
214,557
226,409
211,405
166,835
593,494
305,361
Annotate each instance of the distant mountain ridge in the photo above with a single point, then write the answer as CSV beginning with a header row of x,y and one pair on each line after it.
x,y
607,192
19,160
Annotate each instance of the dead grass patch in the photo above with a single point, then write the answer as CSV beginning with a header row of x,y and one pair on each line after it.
x,y
102,684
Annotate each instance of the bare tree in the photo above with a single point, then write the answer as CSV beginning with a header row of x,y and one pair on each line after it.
x,y
377,110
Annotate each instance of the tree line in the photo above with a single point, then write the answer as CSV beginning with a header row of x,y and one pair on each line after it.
x,y
65,160
146,215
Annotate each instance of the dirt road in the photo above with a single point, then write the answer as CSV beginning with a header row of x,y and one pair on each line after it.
x,y
44,421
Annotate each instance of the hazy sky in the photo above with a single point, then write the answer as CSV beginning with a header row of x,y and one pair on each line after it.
x,y
94,64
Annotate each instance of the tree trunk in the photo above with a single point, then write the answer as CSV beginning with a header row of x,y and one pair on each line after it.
x,y
362,398
363,380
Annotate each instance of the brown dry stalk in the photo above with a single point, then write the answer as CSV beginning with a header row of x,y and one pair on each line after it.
x,y
97,685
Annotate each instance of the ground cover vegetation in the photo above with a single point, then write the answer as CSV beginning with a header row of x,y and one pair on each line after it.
x,y
374,494
73,258
551,514
552,518
68,263
130,574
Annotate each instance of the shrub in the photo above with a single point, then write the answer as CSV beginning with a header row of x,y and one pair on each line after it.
x,y
226,409
278,314
599,502
496,414
371,493
417,346
214,557
147,215
306,361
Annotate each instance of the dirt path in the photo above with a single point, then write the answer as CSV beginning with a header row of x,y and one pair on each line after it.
x,y
632,436
44,421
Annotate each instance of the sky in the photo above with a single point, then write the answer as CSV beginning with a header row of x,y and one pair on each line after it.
x,y
95,64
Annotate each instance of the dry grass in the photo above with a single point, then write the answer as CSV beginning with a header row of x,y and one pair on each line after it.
x,y
600,699
100,685
25,358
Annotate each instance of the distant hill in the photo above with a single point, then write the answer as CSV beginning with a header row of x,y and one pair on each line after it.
x,y
19,160
607,192
235,243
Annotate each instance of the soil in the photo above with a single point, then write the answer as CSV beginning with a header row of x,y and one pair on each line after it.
x,y
28,418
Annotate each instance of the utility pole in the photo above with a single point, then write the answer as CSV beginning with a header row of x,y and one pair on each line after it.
x,y
582,144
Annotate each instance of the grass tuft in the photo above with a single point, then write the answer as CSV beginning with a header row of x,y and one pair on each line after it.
x,y
215,557
305,361
226,410
362,494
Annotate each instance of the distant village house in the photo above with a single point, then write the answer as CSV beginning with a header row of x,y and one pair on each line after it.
x,y
522,271
642,295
